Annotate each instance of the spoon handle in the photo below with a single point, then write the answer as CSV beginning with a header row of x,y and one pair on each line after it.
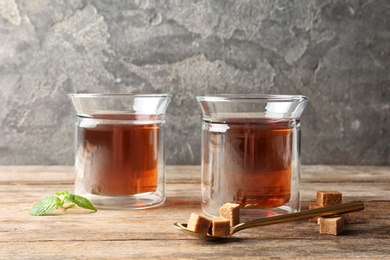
x,y
307,214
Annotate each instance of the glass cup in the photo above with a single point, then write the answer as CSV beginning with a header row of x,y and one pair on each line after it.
x,y
251,153
119,149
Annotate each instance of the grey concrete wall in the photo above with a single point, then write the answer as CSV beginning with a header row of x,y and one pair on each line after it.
x,y
336,52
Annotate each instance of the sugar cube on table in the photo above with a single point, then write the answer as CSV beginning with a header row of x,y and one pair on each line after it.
x,y
328,198
313,206
331,225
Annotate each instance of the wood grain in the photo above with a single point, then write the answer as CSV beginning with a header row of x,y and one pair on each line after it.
x,y
107,234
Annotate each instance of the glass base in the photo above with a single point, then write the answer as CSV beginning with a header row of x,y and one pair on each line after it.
x,y
128,202
251,214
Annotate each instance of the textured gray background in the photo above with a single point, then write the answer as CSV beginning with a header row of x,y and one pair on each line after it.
x,y
335,52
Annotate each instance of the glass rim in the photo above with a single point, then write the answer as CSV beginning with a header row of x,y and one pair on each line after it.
x,y
253,97
94,95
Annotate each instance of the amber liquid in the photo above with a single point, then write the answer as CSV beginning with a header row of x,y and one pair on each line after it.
x,y
121,158
250,162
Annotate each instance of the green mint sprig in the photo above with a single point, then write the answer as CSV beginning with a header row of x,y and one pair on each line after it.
x,y
63,199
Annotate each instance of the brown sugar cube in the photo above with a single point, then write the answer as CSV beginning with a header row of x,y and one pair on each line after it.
x,y
198,224
349,218
327,198
313,206
331,225
231,211
220,227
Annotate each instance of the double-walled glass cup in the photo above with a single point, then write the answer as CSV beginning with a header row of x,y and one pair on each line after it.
x,y
119,149
251,153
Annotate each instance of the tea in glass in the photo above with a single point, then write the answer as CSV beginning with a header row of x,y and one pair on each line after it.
x,y
251,153
120,149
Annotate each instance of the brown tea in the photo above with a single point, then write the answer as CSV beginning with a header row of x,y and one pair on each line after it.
x,y
250,160
120,157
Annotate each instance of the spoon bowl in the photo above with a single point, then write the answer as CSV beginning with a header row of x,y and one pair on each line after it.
x,y
307,214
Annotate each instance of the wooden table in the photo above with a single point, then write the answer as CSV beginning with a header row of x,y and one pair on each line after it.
x,y
150,234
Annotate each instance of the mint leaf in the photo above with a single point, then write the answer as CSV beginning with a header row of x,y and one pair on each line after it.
x,y
51,203
68,206
46,206
63,193
80,201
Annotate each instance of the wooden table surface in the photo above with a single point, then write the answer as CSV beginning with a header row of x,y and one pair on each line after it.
x,y
150,233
